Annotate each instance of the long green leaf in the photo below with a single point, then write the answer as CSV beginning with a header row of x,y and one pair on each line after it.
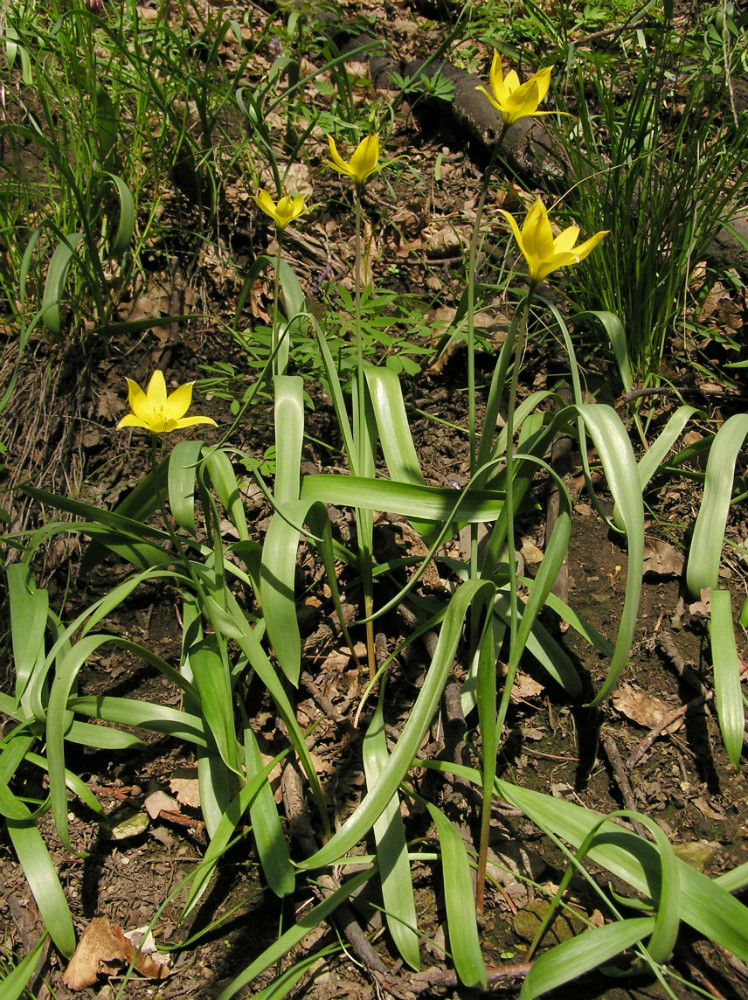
x,y
16,981
459,902
213,682
704,904
57,273
392,850
270,839
586,951
617,458
142,715
425,502
475,594
286,942
726,665
183,462
702,569
28,621
41,875
278,565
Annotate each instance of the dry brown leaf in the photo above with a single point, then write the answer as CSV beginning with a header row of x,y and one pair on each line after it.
x,y
98,948
186,787
102,950
661,558
701,608
531,553
145,963
159,800
526,686
644,709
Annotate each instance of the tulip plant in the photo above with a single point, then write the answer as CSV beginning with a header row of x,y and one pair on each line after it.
x,y
238,612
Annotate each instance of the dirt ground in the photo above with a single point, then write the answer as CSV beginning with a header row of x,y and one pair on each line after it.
x,y
620,755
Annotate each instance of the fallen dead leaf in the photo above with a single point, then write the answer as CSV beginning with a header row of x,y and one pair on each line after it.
x,y
531,553
185,786
644,709
98,949
159,800
150,962
701,608
103,950
526,686
661,558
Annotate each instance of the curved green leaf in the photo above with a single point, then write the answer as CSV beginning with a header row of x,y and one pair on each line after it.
x,y
702,569
726,665
586,951
459,902
392,850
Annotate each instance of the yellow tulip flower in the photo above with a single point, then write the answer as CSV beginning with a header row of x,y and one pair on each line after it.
x,y
515,100
363,163
157,412
287,209
541,250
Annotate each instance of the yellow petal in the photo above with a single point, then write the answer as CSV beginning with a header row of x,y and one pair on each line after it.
x,y
543,81
586,248
365,157
521,104
130,420
338,163
496,77
515,228
566,240
491,98
537,235
137,400
191,421
178,403
156,391
511,83
265,202
284,212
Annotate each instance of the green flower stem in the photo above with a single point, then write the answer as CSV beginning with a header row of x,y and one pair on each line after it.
x,y
278,368
492,750
364,520
472,265
519,349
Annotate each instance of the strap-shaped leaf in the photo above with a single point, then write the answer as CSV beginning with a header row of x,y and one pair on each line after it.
x,y
270,839
431,503
475,595
211,674
726,666
17,979
704,904
586,951
57,274
28,621
306,923
392,849
183,462
618,462
41,875
702,569
278,565
459,903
